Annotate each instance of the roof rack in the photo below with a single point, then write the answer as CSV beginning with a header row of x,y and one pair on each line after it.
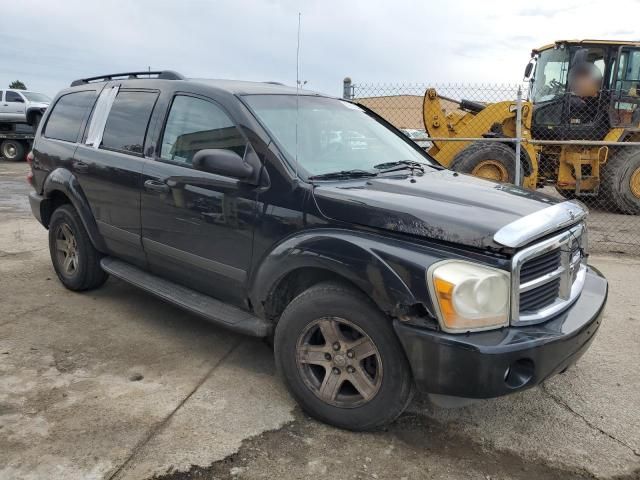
x,y
159,74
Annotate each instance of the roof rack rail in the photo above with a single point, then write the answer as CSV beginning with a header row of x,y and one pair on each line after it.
x,y
159,74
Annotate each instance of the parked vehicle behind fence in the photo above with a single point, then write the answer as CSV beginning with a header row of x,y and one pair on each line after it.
x,y
311,221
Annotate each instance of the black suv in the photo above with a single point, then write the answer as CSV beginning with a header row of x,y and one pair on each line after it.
x,y
311,221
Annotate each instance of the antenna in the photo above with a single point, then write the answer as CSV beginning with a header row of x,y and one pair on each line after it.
x,y
297,89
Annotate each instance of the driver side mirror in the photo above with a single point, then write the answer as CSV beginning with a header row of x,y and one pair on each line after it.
x,y
528,69
223,162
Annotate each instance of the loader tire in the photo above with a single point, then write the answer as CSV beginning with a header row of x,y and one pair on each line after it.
x,y
492,161
620,181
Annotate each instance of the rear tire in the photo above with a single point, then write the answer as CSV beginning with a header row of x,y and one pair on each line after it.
x,y
341,359
74,258
491,161
620,181
12,150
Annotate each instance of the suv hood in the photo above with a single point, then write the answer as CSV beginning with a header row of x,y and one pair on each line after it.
x,y
440,205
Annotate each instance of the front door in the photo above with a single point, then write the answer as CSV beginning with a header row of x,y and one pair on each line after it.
x,y
625,89
197,227
13,107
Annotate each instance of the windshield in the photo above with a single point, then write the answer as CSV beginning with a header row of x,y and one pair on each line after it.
x,y
333,135
550,78
36,97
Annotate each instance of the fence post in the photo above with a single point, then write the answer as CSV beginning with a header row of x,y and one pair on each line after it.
x,y
518,179
347,90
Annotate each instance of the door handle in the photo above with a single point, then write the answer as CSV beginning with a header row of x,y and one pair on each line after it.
x,y
156,186
80,167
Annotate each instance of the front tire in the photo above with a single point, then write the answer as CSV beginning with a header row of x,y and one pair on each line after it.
x,y
341,359
74,258
492,161
35,120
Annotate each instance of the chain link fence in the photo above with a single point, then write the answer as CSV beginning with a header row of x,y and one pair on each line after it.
x,y
583,145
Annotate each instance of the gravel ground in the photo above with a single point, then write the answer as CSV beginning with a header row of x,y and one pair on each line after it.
x,y
115,384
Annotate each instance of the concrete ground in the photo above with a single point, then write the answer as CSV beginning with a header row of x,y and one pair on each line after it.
x,y
116,384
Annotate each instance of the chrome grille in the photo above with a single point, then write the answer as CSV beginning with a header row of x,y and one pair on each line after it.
x,y
541,265
537,298
548,276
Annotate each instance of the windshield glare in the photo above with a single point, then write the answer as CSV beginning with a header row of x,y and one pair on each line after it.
x,y
550,78
36,97
333,135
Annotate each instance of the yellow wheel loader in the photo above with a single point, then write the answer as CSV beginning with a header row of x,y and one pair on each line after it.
x,y
583,101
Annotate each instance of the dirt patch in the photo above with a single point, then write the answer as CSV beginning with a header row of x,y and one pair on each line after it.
x,y
413,447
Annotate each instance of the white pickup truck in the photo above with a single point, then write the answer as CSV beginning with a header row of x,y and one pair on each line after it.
x,y
22,106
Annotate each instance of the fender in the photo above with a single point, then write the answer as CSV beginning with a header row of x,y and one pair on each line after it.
x,y
32,111
62,180
364,259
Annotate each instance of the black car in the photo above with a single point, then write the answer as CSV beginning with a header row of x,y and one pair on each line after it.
x,y
311,221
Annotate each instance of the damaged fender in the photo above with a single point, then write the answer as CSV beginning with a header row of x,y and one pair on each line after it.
x,y
355,256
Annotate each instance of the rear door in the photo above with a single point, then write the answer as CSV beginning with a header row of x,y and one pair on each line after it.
x,y
108,164
14,107
56,144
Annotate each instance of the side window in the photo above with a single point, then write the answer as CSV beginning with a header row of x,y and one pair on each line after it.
x,y
127,123
66,117
195,124
626,92
13,97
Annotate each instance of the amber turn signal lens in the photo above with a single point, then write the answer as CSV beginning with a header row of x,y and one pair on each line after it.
x,y
469,296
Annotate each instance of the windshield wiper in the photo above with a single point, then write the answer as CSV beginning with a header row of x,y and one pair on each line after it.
x,y
343,174
400,165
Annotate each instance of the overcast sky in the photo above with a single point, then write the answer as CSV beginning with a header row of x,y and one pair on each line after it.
x,y
47,43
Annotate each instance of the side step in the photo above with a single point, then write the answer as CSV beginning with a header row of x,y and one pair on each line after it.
x,y
195,302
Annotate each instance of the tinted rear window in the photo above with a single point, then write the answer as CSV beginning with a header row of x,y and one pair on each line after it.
x,y
127,122
67,114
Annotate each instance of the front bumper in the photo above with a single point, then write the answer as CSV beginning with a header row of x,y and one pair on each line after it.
x,y
494,363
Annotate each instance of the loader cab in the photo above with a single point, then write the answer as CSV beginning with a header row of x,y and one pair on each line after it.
x,y
625,88
569,89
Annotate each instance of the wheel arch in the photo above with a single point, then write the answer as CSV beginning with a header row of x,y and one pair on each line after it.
x,y
31,113
61,187
313,257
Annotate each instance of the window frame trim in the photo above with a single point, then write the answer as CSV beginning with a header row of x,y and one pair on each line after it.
x,y
158,150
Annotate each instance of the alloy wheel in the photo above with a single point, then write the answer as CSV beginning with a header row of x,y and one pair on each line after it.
x,y
338,362
66,249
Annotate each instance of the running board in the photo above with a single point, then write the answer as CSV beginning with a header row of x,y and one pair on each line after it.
x,y
203,305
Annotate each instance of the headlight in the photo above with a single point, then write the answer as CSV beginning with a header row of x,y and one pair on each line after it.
x,y
468,296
